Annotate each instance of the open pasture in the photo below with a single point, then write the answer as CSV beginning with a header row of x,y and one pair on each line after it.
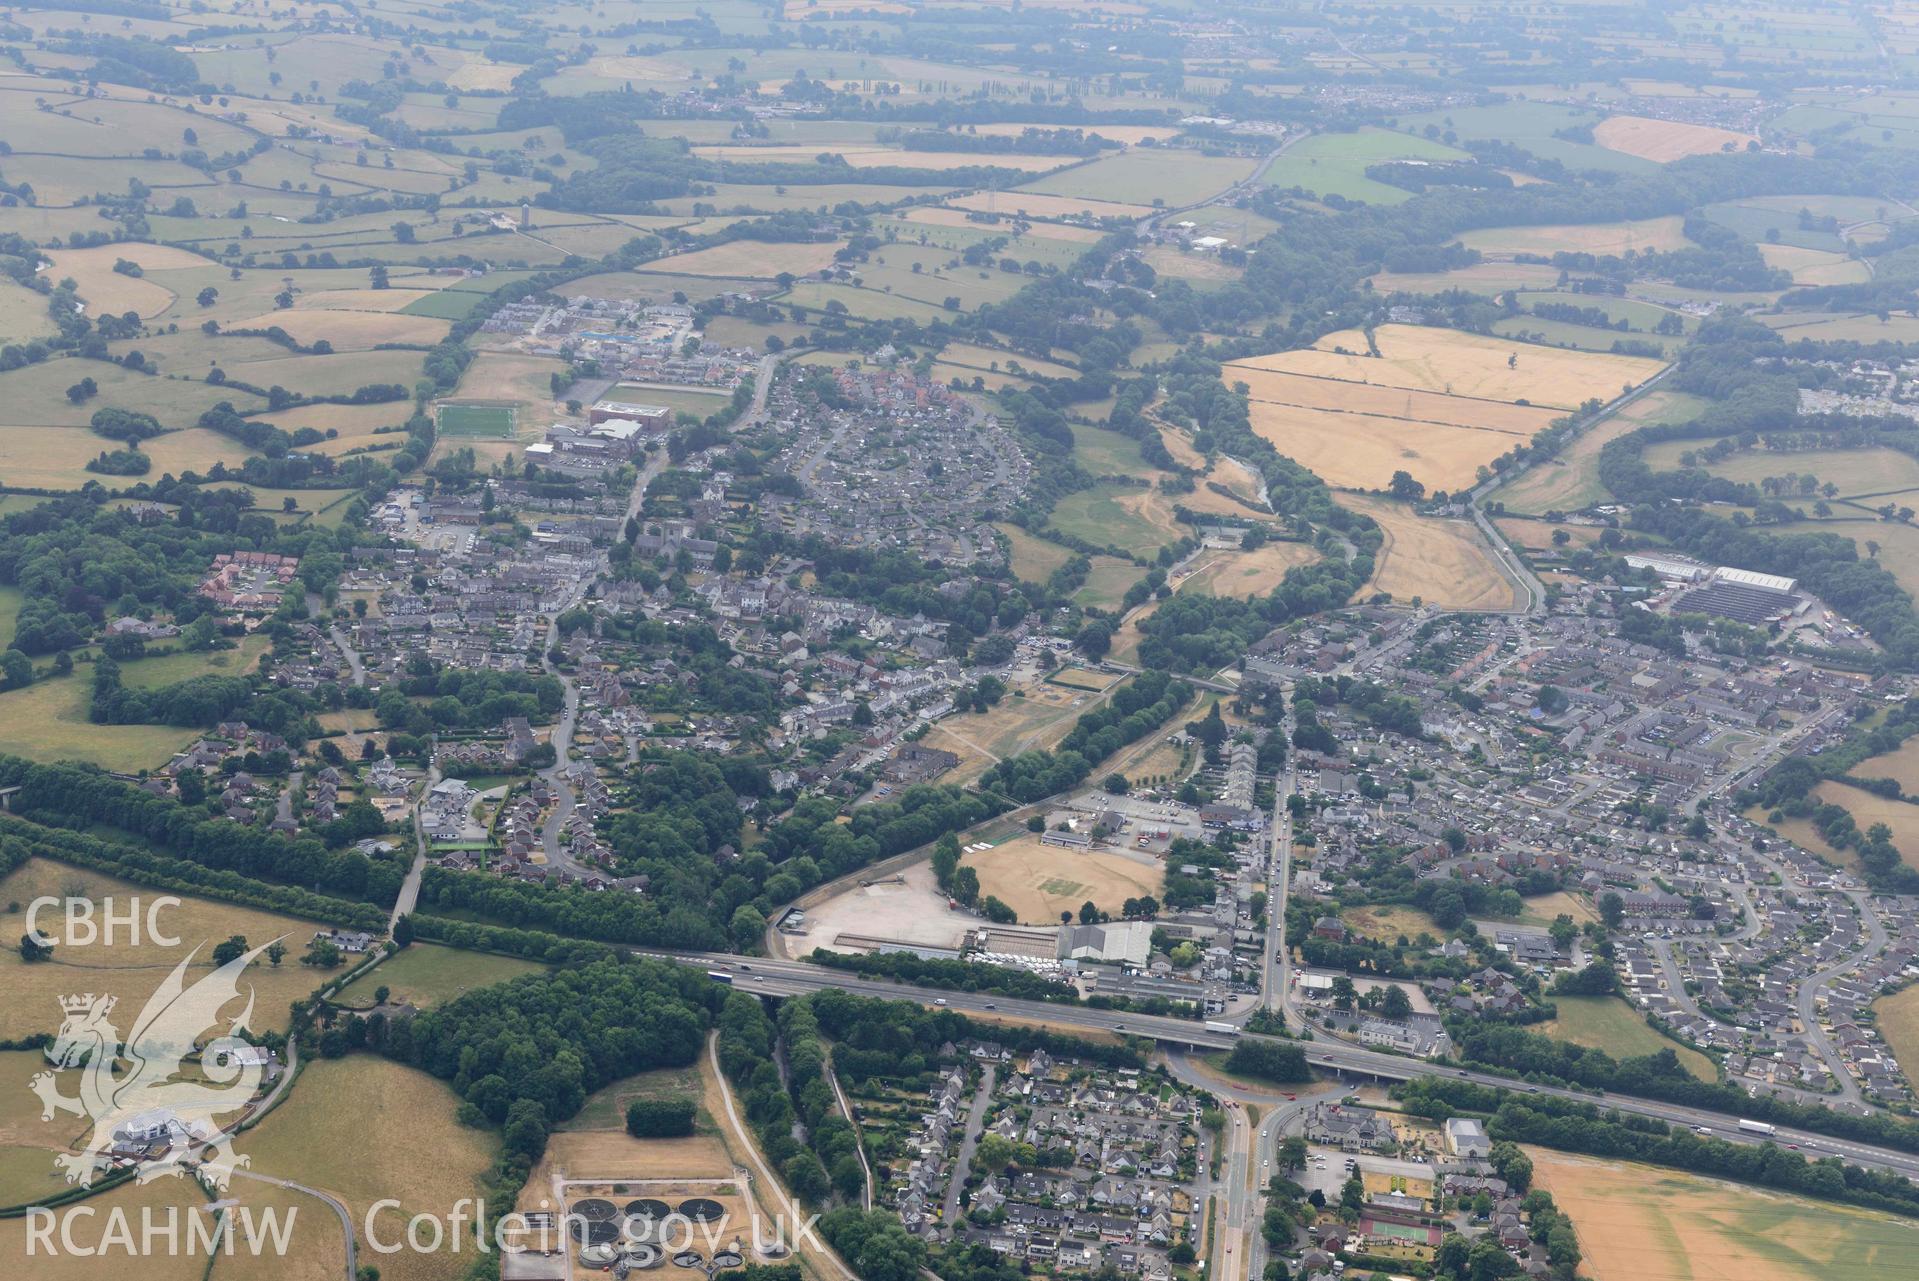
x,y
747,260
1441,562
427,974
133,971
1038,204
1815,266
1033,559
1334,164
1601,238
1608,1023
1145,176
1480,278
1818,326
1138,520
418,1153
1856,472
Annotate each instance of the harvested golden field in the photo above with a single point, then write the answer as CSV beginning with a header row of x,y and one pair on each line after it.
x,y
1589,238
351,330
1040,881
1442,562
1247,574
1269,386
1362,451
747,260
1664,140
105,290
1042,206
1815,266
1644,1223
1455,363
132,971
1437,403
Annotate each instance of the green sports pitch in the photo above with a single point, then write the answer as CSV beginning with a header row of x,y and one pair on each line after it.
x,y
469,419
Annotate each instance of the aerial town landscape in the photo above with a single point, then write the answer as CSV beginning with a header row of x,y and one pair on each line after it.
x,y
872,640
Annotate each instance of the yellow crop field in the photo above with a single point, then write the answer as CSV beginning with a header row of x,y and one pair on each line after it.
x,y
1334,395
747,259
1362,451
1443,562
1663,140
1040,881
1421,358
1590,238
1815,266
1437,403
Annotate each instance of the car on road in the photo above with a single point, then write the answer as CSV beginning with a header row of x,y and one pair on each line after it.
x,y
1262,1134
940,1001
991,1006
1702,1129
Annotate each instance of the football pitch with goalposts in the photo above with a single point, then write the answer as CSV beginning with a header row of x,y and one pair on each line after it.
x,y
475,418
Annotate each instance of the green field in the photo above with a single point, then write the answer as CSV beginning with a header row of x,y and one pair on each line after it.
x,y
426,974
1532,126
490,421
1570,481
1146,176
1135,520
1334,164
1608,1023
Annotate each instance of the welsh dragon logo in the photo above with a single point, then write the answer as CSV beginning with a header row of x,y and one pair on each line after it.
x,y
134,1091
